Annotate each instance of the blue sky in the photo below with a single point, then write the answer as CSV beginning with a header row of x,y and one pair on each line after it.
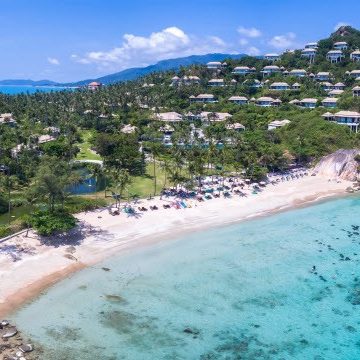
x,y
68,40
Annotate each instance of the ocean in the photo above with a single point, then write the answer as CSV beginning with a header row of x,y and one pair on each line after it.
x,y
282,287
14,89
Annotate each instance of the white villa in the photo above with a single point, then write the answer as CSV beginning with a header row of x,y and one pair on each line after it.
x,y
204,98
279,86
323,76
240,100
169,117
329,102
348,118
355,73
340,45
7,119
271,69
355,55
215,65
266,101
334,56
216,82
356,91
243,70
311,45
298,72
235,126
294,102
326,86
339,86
308,103
208,116
295,86
185,80
278,124
128,129
309,53
94,85
272,57
335,92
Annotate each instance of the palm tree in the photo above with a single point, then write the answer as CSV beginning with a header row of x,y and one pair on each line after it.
x,y
96,171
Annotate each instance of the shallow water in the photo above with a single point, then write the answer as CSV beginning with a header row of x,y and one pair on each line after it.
x,y
245,291
28,89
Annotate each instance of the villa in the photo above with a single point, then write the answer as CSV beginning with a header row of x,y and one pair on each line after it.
x,y
311,45
355,73
309,53
271,69
43,139
254,83
356,91
169,117
334,56
348,118
278,124
204,98
294,102
265,101
340,45
272,57
334,93
233,82
326,86
216,82
215,65
279,86
243,70
339,86
355,55
208,116
128,129
295,86
235,126
329,102
298,73
308,103
185,80
94,85
240,100
323,76
7,119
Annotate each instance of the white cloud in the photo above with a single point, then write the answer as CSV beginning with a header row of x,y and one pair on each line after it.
x,y
141,50
249,32
53,61
243,42
253,51
339,24
283,41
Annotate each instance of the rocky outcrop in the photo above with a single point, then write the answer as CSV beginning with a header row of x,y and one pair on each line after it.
x,y
341,164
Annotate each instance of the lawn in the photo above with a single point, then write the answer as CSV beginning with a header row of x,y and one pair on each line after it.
x,y
85,148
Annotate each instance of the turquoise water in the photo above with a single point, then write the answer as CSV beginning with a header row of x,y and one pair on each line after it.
x,y
245,291
13,89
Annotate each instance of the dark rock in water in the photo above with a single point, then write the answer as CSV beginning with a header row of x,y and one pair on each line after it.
x,y
354,297
26,348
115,298
350,328
191,331
105,269
322,278
347,259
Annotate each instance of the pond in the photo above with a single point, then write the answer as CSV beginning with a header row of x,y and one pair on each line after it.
x,y
87,183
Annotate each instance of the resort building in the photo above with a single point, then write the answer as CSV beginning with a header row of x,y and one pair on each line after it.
x,y
254,83
340,45
240,100
309,53
356,91
7,119
334,56
185,80
329,102
216,82
279,86
235,126
128,129
208,116
339,86
323,76
271,69
355,55
42,139
169,116
326,86
298,73
355,73
94,85
233,82
294,102
243,70
308,103
348,118
272,57
278,124
295,86
265,101
311,45
215,65
203,98
335,92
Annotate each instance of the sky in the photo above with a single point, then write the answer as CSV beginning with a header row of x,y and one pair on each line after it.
x,y
70,40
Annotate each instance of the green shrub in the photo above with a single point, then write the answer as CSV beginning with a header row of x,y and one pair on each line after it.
x,y
78,204
47,223
5,230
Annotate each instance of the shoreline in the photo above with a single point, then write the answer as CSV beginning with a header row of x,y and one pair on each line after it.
x,y
105,236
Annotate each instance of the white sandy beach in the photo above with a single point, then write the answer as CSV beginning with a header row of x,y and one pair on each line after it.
x,y
103,235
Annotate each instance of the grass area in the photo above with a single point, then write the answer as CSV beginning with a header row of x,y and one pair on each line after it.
x,y
85,148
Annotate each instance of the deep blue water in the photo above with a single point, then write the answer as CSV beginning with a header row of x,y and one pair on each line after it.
x,y
13,90
245,291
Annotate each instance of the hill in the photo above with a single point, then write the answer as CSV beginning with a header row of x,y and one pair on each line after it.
x,y
20,82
